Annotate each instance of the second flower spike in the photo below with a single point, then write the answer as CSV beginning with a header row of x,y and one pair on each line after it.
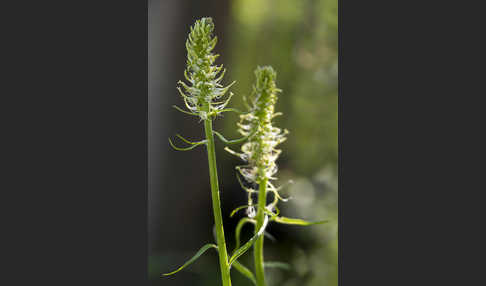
x,y
260,150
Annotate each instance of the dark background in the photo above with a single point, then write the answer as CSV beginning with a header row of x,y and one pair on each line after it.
x,y
299,39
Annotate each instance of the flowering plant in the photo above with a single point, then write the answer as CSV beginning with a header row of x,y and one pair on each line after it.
x,y
203,97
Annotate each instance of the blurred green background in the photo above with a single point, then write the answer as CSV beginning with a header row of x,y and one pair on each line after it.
x,y
299,39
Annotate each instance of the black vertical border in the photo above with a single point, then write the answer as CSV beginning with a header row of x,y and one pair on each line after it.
x,y
74,101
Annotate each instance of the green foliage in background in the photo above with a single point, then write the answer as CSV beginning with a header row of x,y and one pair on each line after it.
x,y
300,40
260,155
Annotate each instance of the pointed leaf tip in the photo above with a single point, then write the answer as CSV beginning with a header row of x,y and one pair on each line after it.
x,y
245,271
194,258
296,221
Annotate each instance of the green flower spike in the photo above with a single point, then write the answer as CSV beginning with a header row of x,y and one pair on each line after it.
x,y
203,95
260,151
260,154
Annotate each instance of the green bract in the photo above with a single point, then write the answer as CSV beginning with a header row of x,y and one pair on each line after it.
x,y
203,95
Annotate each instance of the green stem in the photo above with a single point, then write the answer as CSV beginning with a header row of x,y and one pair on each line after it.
x,y
258,247
213,174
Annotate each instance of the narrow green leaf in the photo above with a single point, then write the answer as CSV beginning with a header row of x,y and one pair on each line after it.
x,y
183,111
235,141
196,256
190,142
245,271
240,251
227,141
239,226
231,110
188,148
237,209
296,221
276,264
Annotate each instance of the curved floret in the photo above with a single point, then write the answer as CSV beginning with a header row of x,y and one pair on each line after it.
x,y
204,92
260,152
